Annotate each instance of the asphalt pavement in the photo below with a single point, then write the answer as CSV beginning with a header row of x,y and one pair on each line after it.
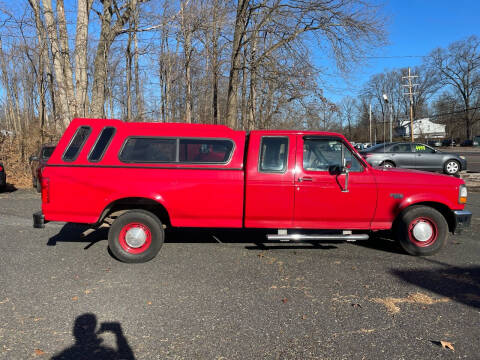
x,y
225,295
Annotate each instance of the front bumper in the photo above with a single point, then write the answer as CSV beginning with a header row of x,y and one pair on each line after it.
x,y
462,220
39,220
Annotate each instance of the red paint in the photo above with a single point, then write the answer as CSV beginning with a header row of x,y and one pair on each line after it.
x,y
123,242
235,194
427,242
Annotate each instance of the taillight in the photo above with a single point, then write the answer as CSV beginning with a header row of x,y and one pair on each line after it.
x,y
1,168
45,190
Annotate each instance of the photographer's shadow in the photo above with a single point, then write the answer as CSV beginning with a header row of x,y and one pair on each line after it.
x,y
88,344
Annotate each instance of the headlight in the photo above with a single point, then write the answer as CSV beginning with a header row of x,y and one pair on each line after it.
x,y
462,157
462,194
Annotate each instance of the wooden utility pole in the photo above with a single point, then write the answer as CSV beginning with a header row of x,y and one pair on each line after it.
x,y
410,93
370,122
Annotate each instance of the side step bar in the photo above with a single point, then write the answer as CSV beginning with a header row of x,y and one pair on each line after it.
x,y
301,237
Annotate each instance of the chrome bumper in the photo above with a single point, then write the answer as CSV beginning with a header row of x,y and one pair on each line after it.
x,y
462,220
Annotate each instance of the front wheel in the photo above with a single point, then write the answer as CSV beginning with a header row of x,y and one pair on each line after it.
x,y
451,167
136,236
421,230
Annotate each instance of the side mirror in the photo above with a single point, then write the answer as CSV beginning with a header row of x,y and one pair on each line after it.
x,y
33,158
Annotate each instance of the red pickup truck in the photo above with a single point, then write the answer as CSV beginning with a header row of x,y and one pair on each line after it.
x,y
143,177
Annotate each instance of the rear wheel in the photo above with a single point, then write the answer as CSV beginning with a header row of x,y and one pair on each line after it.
x,y
421,230
451,167
136,236
387,164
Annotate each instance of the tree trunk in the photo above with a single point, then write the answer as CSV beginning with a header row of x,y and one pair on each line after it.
x,y
187,51
61,98
107,35
235,64
81,47
215,64
138,94
65,59
128,70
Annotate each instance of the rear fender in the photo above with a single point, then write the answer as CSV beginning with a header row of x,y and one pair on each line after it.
x,y
154,203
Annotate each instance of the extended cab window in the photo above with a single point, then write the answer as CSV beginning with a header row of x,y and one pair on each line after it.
x,y
77,143
102,143
205,150
273,154
164,150
143,149
325,154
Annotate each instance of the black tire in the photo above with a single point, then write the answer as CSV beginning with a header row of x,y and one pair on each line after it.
x,y
451,167
387,164
34,183
38,185
418,242
146,227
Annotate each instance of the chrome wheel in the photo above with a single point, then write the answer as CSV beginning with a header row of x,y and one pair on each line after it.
x,y
452,167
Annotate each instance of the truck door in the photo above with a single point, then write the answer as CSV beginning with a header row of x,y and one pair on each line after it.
x,y
321,199
269,187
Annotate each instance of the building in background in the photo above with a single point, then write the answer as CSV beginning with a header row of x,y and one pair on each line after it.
x,y
422,128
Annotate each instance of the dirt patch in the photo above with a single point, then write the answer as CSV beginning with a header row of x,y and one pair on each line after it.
x,y
418,298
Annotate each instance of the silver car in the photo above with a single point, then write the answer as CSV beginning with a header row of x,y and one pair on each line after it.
x,y
414,156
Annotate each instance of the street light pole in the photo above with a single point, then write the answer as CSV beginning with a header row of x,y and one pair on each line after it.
x,y
385,98
391,121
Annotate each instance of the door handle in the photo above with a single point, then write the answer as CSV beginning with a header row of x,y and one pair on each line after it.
x,y
305,179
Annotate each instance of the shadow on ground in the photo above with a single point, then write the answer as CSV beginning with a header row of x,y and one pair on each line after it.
x,y
382,241
71,232
9,188
88,342
461,284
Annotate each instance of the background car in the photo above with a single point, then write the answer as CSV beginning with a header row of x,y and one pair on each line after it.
x,y
436,143
449,142
38,162
3,178
469,143
414,156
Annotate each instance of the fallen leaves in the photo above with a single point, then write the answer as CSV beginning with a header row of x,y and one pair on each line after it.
x,y
75,298
447,345
39,352
418,298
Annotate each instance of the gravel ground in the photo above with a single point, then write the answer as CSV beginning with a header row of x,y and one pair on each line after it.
x,y
224,295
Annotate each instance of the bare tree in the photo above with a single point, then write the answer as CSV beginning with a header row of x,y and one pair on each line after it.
x,y
346,26
458,68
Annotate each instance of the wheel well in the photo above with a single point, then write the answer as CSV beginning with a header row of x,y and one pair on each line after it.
x,y
121,205
441,208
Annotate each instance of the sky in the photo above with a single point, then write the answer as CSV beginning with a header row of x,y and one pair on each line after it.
x,y
414,29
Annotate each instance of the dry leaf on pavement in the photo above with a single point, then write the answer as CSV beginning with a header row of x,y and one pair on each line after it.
x,y
447,345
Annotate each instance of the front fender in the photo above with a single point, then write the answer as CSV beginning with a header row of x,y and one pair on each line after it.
x,y
424,198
